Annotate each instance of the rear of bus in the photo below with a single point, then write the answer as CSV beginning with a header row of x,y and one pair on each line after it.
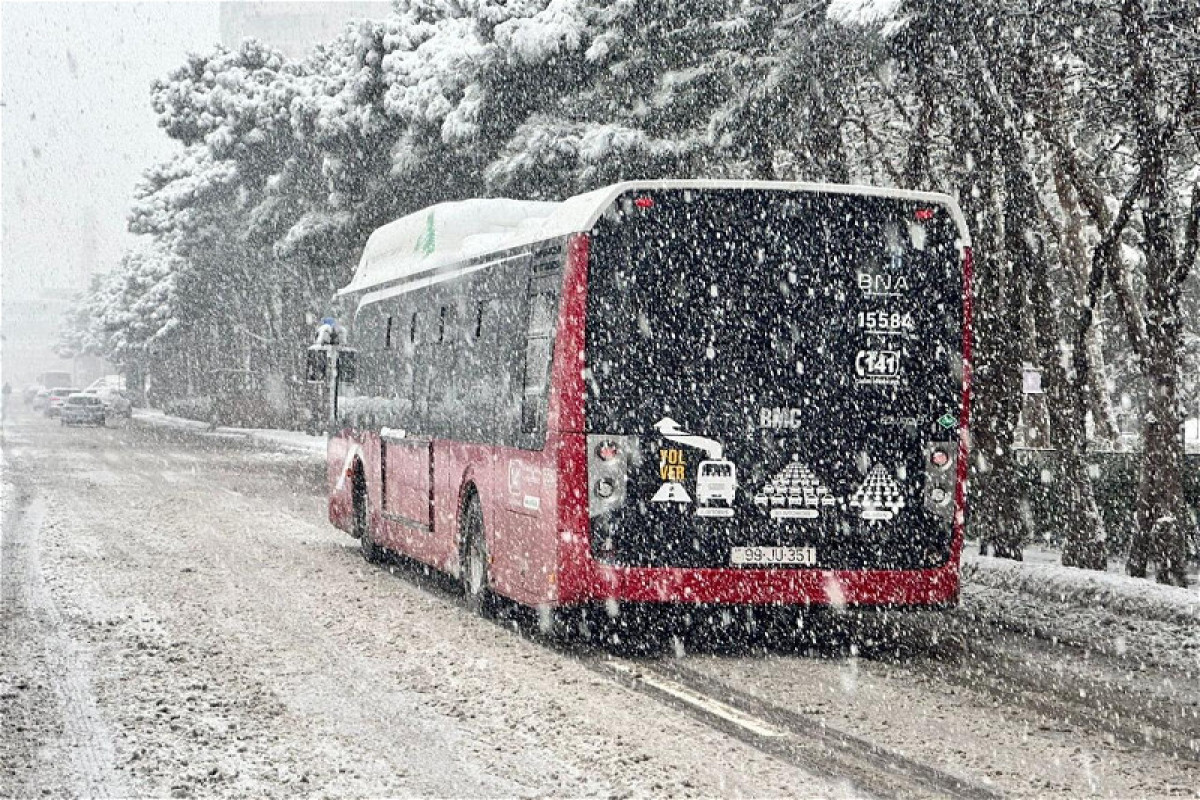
x,y
775,398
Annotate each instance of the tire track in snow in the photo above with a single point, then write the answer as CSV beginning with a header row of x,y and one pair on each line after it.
x,y
1065,674
794,738
85,736
799,740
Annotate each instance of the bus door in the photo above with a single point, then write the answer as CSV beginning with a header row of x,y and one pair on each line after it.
x,y
529,483
406,484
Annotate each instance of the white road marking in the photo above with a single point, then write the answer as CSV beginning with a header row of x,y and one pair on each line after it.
x,y
707,704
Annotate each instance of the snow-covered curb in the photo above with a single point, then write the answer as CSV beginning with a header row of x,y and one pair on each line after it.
x,y
292,440
1084,588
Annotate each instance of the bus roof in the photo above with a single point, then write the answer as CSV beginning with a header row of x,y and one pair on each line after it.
x,y
427,244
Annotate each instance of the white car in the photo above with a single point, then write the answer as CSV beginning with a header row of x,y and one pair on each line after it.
x,y
55,400
116,401
82,409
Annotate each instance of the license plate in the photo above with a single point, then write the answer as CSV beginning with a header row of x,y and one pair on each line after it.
x,y
771,556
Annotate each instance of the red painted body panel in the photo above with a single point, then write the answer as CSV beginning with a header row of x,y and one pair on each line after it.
x,y
339,457
521,538
535,505
767,587
410,492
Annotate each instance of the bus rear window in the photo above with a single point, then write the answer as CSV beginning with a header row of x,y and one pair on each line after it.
x,y
722,307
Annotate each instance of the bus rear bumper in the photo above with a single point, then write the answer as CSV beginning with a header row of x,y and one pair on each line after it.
x,y
801,587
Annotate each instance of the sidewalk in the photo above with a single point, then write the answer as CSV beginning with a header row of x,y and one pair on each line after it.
x,y
1085,588
290,440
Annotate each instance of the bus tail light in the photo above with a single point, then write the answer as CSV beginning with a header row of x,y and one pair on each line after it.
x,y
607,450
610,459
940,458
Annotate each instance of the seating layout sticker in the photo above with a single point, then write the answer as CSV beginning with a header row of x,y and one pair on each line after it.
x,y
794,493
880,497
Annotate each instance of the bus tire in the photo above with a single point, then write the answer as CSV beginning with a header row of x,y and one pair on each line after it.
x,y
371,552
473,560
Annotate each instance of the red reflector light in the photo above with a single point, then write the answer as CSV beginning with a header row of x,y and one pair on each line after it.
x,y
607,451
644,202
924,214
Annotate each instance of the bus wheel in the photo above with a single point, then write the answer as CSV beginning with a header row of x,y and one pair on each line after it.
x,y
362,526
474,559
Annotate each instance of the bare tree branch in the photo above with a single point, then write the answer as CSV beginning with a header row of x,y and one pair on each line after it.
x,y
1106,261
1090,195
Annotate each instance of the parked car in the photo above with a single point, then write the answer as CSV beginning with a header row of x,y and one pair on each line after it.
x,y
116,401
41,399
82,409
55,400
31,392
107,381
120,405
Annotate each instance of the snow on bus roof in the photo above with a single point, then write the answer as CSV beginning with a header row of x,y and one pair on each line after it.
x,y
427,244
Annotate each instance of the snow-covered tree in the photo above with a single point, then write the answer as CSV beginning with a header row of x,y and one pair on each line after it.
x,y
1068,130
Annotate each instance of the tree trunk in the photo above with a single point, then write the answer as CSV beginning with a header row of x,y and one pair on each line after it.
x,y
1159,537
1074,255
1079,518
998,298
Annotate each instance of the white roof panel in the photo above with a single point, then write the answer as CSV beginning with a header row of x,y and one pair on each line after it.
x,y
432,241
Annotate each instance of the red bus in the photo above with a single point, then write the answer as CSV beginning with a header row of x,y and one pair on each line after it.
x,y
674,392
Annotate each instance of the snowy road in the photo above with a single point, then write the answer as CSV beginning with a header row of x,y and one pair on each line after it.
x,y
179,620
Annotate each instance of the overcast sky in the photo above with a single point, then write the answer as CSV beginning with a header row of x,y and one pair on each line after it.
x,y
77,131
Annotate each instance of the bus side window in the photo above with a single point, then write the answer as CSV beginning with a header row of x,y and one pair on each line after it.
x,y
447,323
539,349
486,373
423,342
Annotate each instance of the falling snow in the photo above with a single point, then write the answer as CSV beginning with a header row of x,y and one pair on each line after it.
x,y
721,399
